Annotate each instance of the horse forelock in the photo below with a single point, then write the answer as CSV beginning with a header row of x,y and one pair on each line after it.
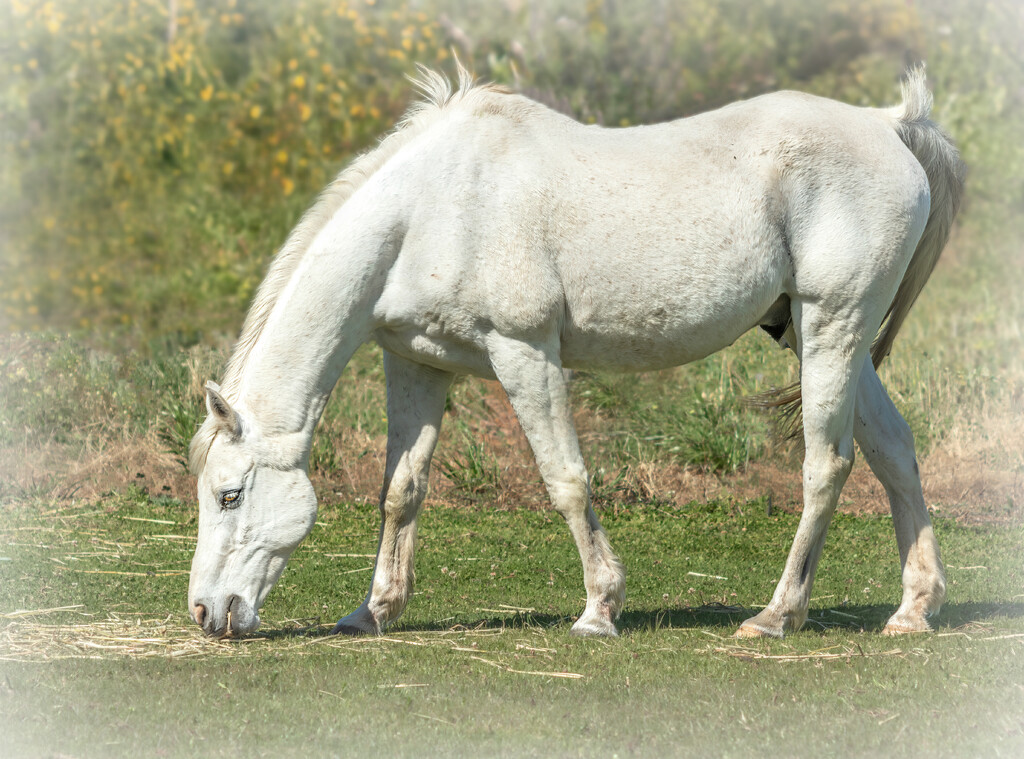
x,y
199,447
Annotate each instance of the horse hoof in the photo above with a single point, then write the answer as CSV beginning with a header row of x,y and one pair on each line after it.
x,y
756,627
898,625
349,630
594,627
756,631
356,624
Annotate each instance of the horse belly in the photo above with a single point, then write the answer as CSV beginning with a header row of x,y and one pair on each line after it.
x,y
670,305
642,337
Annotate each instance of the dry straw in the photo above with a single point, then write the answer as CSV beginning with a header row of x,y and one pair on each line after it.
x,y
833,653
25,637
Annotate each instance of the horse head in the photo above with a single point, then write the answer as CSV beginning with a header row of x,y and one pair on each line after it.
x,y
256,504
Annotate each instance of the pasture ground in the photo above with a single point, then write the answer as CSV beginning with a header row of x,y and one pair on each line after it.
x,y
98,657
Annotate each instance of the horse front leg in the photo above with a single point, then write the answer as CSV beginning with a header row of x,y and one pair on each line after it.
x,y
888,445
416,398
532,377
831,359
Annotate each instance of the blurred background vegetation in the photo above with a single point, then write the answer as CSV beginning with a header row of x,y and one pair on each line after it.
x,y
154,154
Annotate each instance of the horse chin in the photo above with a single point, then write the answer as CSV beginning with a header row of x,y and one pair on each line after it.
x,y
242,617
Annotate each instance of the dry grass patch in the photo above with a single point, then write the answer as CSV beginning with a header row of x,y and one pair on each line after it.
x,y
25,637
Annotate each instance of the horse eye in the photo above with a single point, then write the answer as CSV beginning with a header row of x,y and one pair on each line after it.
x,y
230,499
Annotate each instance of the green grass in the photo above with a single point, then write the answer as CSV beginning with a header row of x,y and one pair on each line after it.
x,y
693,415
470,469
471,667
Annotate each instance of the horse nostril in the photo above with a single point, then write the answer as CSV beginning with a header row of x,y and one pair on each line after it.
x,y
199,612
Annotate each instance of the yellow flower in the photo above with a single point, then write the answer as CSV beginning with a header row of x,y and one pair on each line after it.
x,y
299,81
305,112
282,156
288,186
228,168
206,93
293,64
255,111
49,222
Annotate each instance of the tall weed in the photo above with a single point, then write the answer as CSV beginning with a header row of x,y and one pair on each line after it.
x,y
468,465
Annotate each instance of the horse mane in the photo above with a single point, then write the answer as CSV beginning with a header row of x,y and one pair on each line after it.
x,y
437,96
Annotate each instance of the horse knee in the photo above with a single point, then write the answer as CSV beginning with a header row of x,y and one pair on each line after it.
x,y
570,495
402,496
827,470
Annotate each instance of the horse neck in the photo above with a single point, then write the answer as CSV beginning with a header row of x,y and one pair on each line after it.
x,y
321,317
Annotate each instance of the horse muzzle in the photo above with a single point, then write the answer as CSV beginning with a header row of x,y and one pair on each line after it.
x,y
224,619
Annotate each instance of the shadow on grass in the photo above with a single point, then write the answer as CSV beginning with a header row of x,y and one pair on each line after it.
x,y
868,618
864,618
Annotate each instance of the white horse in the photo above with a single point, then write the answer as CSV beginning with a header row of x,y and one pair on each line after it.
x,y
489,235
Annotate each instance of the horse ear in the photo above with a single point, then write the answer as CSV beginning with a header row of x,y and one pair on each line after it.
x,y
227,418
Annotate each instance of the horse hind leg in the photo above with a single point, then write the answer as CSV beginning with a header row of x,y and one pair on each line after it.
x,y
416,398
832,353
888,446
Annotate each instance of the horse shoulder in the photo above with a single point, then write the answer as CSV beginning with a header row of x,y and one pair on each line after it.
x,y
474,256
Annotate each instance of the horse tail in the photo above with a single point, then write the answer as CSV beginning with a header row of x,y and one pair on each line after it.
x,y
941,162
940,159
